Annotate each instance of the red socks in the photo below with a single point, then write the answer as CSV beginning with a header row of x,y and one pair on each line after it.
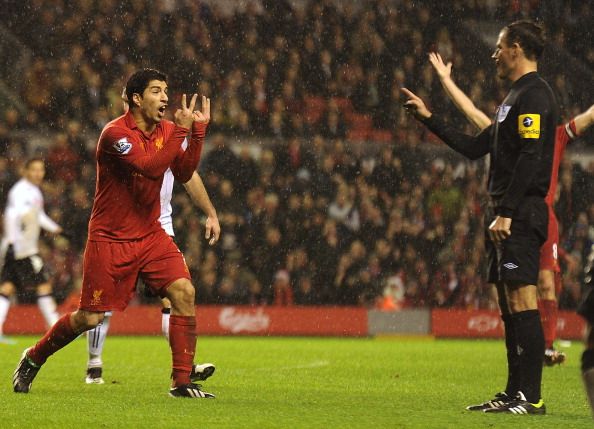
x,y
548,316
58,336
182,340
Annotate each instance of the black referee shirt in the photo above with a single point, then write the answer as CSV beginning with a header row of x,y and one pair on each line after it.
x,y
521,142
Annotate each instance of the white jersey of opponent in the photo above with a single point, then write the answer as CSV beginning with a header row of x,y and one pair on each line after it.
x,y
23,219
166,195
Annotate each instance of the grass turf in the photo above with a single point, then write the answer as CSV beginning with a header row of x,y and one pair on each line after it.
x,y
287,383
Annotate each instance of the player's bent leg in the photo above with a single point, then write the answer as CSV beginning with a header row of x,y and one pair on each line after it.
x,y
165,312
47,304
62,333
200,372
95,342
6,292
182,339
548,308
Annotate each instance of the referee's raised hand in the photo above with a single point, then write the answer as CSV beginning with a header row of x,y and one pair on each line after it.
x,y
184,117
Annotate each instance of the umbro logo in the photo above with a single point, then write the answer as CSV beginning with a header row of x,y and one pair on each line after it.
x,y
510,266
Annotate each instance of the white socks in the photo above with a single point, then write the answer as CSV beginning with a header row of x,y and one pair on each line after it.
x,y
4,306
47,306
95,342
165,323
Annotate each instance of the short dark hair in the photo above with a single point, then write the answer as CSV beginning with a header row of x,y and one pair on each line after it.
x,y
32,160
139,81
529,35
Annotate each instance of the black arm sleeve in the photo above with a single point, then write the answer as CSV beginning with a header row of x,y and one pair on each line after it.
x,y
473,147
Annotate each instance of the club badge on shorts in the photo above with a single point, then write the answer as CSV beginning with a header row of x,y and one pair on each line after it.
x,y
529,126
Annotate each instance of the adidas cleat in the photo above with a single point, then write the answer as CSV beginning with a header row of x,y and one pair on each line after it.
x,y
190,390
94,376
24,374
553,357
201,372
499,400
519,405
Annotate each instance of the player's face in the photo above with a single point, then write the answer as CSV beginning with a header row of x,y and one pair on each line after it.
x,y
35,172
154,101
503,56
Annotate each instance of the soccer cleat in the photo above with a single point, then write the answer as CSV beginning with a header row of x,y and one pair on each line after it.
x,y
553,357
499,400
190,390
24,374
94,376
201,372
519,405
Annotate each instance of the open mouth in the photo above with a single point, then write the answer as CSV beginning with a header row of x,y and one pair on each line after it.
x,y
162,110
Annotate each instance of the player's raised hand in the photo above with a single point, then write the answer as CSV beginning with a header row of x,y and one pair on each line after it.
x,y
203,117
443,70
184,117
415,105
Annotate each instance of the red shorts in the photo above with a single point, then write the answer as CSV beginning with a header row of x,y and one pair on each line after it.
x,y
110,270
549,254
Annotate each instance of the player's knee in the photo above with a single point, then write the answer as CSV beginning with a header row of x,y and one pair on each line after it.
x,y
181,291
86,320
44,289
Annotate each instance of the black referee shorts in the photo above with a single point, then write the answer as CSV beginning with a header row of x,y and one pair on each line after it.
x,y
516,260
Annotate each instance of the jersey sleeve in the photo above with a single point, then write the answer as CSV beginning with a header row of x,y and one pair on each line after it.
x,y
120,143
473,147
185,163
533,117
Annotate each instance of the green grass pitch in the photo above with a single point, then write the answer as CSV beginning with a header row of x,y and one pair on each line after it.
x,y
287,383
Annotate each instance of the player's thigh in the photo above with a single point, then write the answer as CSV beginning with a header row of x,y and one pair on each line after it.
x,y
110,270
162,264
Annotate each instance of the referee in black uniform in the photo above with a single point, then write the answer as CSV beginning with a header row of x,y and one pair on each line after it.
x,y
520,143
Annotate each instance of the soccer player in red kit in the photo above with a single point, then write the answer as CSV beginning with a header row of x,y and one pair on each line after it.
x,y
549,276
126,240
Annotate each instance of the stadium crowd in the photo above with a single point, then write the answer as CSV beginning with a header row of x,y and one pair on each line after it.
x,y
310,213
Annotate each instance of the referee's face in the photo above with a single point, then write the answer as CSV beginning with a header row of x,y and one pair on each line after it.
x,y
504,56
35,172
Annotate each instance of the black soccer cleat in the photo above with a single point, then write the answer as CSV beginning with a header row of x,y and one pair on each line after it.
x,y
201,372
519,406
94,376
499,400
190,390
24,374
554,357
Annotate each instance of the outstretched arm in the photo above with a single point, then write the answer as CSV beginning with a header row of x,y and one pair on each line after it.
x,y
472,147
197,192
584,120
460,99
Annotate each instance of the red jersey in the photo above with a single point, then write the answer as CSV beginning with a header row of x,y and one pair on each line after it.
x,y
564,134
130,168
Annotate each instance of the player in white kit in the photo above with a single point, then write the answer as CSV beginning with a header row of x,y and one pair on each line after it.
x,y
21,266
